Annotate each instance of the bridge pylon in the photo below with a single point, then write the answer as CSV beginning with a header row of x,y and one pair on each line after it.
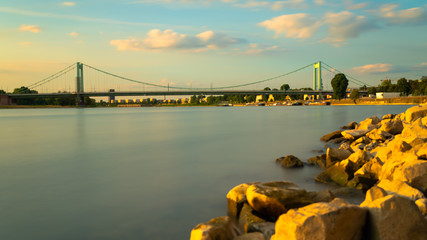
x,y
317,76
79,83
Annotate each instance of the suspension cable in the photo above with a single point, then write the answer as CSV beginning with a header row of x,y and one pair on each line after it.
x,y
184,88
51,76
356,81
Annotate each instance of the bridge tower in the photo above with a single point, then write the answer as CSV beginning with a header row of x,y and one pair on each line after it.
x,y
79,83
317,76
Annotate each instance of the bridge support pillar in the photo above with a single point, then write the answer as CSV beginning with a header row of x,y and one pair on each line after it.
x,y
79,84
317,76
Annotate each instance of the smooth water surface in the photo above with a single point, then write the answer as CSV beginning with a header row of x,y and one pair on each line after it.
x,y
148,173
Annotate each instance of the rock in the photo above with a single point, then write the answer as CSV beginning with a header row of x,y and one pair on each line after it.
x,y
394,162
351,125
395,218
389,116
373,194
392,126
235,199
275,198
334,220
422,152
332,135
414,172
354,134
367,176
340,172
220,228
335,141
251,236
266,228
322,196
346,146
290,161
415,130
318,160
360,157
248,216
369,123
400,188
378,134
334,155
363,139
422,205
416,112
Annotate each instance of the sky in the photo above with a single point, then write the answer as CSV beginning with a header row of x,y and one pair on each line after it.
x,y
213,43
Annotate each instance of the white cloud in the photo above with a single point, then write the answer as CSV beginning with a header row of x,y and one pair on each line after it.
x,y
252,3
68,4
298,25
390,13
320,2
30,28
290,4
25,43
73,34
353,6
374,68
168,39
345,25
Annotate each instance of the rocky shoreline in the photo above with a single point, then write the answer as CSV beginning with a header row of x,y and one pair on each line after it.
x,y
385,158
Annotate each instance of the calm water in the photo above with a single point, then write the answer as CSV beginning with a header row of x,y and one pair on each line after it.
x,y
148,173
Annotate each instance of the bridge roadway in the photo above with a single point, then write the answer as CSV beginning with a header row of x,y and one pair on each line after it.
x,y
172,93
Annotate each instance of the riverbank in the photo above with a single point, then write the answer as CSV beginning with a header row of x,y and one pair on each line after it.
x,y
386,158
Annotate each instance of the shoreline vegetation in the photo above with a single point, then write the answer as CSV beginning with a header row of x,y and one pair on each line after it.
x,y
385,159
362,101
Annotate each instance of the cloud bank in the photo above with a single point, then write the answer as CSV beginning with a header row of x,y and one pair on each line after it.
x,y
168,39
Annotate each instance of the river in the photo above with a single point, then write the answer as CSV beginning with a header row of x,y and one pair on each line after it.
x,y
148,173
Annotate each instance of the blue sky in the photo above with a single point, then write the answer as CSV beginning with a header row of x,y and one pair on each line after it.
x,y
213,42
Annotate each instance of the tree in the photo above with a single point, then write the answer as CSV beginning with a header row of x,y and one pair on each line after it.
x,y
267,89
339,85
372,90
2,91
363,88
354,95
403,87
285,87
24,90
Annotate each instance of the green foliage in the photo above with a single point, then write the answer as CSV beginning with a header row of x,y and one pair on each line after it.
x,y
403,87
372,90
339,85
267,89
363,88
285,87
24,90
354,95
2,91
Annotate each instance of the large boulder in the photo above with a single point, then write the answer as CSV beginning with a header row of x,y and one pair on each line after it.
x,y
355,134
378,134
220,228
246,217
414,172
351,125
395,218
334,155
289,161
360,157
322,196
416,129
318,160
236,197
332,135
400,188
340,173
334,220
369,123
276,198
373,194
416,112
392,126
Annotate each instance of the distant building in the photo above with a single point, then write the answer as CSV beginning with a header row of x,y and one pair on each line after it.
x,y
382,95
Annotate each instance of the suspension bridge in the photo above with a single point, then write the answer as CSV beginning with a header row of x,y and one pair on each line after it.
x,y
82,80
